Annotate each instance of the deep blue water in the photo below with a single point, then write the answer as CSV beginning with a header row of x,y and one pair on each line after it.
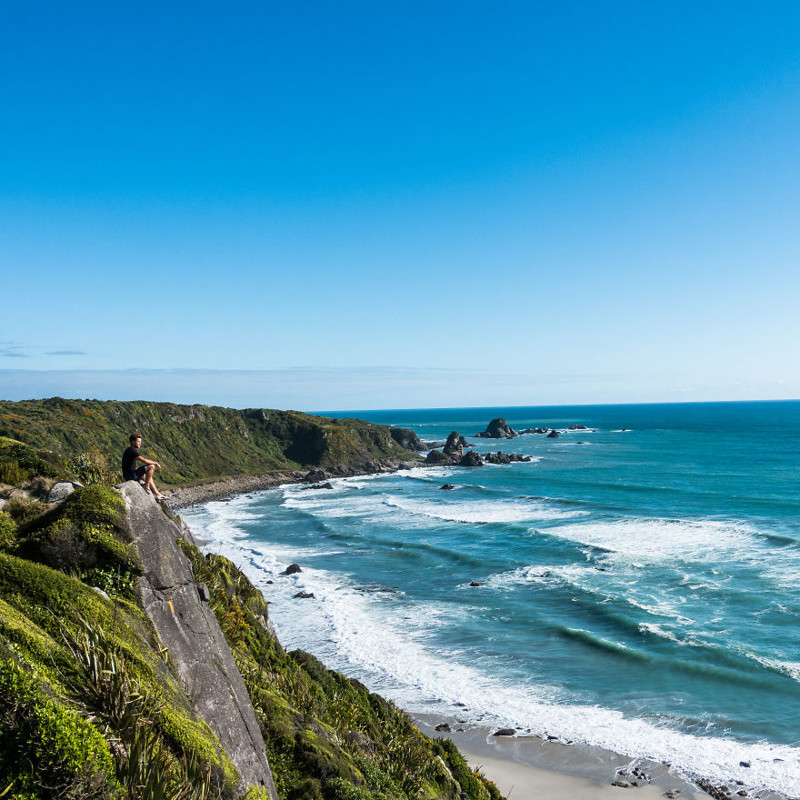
x,y
638,581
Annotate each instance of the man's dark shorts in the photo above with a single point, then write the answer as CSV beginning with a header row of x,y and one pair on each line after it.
x,y
138,474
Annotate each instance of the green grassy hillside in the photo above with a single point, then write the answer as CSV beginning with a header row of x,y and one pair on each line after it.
x,y
91,705
192,443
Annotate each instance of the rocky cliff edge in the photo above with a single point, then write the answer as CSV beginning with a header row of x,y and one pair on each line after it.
x,y
188,628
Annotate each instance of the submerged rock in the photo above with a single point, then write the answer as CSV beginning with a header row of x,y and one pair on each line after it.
x,y
552,435
447,486
292,569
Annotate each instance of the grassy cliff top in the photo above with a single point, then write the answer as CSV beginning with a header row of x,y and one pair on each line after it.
x,y
194,443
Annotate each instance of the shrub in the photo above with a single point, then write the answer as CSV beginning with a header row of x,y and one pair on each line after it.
x,y
86,535
18,462
91,468
12,474
24,511
47,748
8,532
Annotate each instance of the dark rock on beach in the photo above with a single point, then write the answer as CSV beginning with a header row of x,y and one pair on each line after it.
x,y
505,732
443,727
497,429
292,569
326,485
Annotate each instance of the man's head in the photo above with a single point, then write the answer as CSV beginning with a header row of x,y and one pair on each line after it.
x,y
135,439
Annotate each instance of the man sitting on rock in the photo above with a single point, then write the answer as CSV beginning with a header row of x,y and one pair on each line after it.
x,y
130,472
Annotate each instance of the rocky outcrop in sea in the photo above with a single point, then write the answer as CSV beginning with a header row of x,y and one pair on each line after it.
x,y
497,429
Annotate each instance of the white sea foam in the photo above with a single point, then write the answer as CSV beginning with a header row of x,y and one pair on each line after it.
x,y
480,511
525,576
381,639
662,539
660,631
790,668
360,634
351,506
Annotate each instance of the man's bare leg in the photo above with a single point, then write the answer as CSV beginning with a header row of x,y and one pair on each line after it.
x,y
149,485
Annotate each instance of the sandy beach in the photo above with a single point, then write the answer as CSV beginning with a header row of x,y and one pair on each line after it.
x,y
529,768
521,782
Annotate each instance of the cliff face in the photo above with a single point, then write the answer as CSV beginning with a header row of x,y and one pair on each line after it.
x,y
188,628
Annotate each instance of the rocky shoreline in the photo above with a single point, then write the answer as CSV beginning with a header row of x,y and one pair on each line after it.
x,y
229,487
451,454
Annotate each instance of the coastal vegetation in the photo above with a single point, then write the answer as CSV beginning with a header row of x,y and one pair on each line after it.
x,y
84,439
91,701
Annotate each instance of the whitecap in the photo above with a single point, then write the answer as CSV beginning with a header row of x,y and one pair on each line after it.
x,y
661,539
480,511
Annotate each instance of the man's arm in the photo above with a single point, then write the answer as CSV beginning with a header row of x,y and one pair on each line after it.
x,y
147,462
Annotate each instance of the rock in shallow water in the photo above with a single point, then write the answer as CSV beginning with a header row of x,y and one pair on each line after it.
x,y
497,429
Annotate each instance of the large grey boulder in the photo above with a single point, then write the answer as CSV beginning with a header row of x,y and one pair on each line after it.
x,y
189,629
62,490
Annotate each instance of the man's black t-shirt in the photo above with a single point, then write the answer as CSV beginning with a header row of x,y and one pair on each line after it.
x,y
129,463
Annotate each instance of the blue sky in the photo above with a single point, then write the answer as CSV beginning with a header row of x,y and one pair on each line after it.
x,y
355,205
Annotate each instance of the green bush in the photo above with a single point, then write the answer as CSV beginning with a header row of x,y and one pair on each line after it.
x,y
12,474
19,462
85,536
8,532
47,749
23,511
340,789
91,468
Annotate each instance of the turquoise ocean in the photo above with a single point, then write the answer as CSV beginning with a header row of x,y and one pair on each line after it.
x,y
638,581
